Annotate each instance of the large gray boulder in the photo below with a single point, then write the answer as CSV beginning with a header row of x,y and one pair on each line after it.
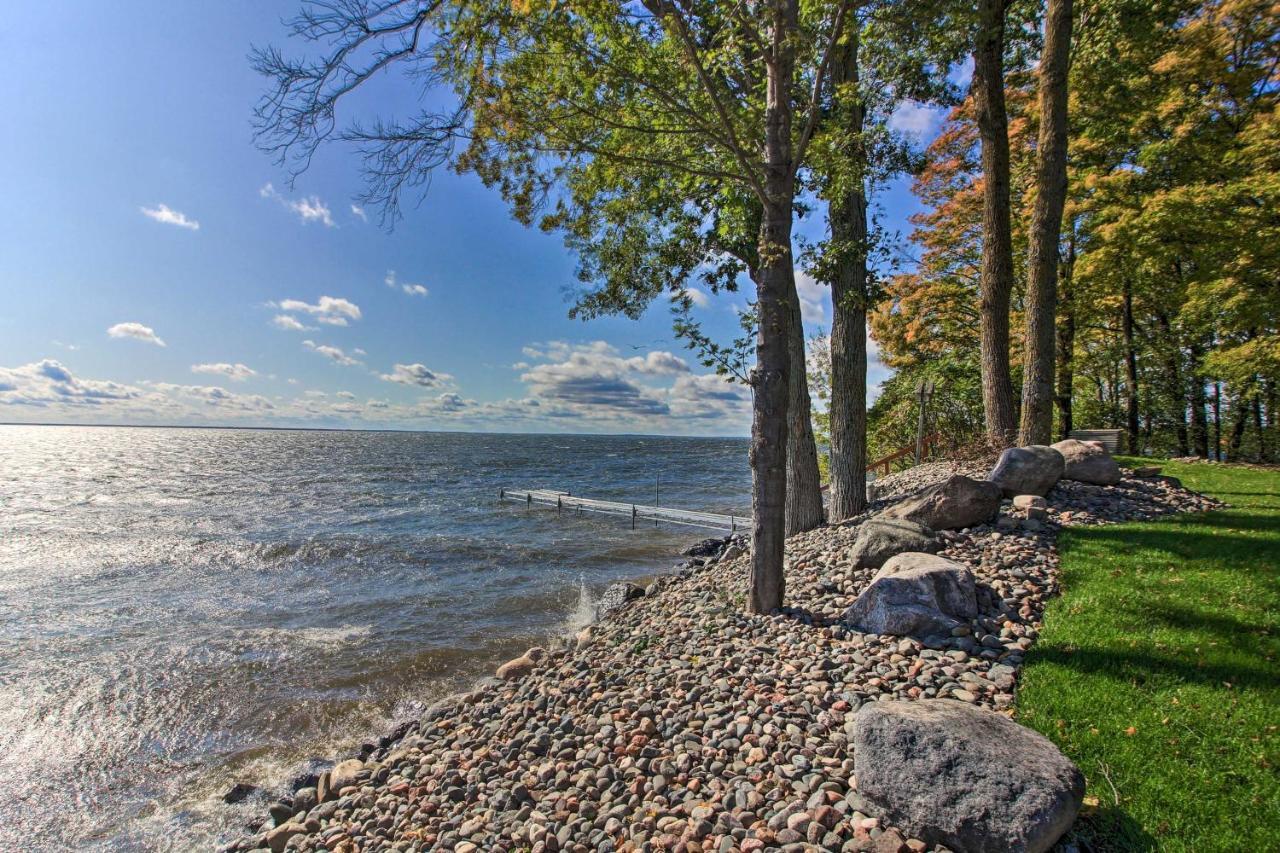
x,y
1087,462
880,538
1031,470
955,502
916,594
955,774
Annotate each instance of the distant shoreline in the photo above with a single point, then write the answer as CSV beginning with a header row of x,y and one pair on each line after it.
x,y
379,429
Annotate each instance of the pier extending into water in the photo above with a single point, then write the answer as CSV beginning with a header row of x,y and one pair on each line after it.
x,y
565,502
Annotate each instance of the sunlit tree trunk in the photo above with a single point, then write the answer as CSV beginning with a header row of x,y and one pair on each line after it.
x,y
1066,342
804,482
997,242
1217,421
849,325
768,454
1198,400
1131,371
1036,426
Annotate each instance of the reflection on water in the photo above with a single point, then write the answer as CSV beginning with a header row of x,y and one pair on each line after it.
x,y
182,609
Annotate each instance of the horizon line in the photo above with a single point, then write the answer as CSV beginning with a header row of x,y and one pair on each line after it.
x,y
369,429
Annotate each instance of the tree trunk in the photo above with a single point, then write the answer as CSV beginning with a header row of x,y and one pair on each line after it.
x,y
767,583
997,241
1217,421
1240,410
1066,342
848,410
1131,372
1046,228
804,483
1198,400
1257,422
1176,384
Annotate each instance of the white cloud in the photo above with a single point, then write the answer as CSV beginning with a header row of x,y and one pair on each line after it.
x,y
813,298
411,289
290,324
915,118
592,380
416,374
235,372
346,395
657,363
137,331
169,216
697,297
331,352
312,209
330,310
309,209
710,397
213,395
358,212
48,383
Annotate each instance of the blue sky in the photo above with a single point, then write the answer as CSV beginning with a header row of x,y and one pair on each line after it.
x,y
148,253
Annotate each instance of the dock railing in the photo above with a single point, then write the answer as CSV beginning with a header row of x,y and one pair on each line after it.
x,y
563,501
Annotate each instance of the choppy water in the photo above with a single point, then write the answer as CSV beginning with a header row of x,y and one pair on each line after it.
x,y
184,609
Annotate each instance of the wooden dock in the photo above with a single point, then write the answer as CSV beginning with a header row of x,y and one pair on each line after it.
x,y
565,502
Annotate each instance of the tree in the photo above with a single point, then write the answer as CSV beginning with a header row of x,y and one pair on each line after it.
x,y
559,108
997,240
1046,228
850,292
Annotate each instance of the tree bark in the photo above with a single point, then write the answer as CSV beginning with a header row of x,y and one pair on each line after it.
x,y
1066,342
1036,426
1198,400
1257,422
1240,410
1131,371
767,583
1217,421
804,482
997,241
1177,391
848,411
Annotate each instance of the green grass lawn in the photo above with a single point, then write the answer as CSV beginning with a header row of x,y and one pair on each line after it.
x,y
1157,671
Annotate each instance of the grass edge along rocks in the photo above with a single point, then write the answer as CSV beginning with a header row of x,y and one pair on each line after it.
x,y
681,722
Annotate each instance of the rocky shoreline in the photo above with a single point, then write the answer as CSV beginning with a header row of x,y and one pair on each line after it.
x,y
681,722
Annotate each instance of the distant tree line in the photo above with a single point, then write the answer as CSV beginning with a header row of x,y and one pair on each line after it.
x,y
1168,255
1100,200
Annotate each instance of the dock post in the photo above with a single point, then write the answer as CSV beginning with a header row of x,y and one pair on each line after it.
x,y
528,498
633,516
502,493
559,505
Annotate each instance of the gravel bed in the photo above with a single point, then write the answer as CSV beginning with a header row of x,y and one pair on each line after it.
x,y
682,723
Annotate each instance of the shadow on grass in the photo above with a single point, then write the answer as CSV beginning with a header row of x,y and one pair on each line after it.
x,y
1227,628
1180,538
1226,496
1138,668
1110,829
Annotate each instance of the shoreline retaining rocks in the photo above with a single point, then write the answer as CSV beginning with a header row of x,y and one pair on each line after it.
x,y
681,722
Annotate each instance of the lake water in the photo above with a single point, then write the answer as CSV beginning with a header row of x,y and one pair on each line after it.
x,y
183,609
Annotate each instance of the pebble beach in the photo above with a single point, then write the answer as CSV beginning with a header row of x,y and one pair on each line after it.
x,y
680,722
